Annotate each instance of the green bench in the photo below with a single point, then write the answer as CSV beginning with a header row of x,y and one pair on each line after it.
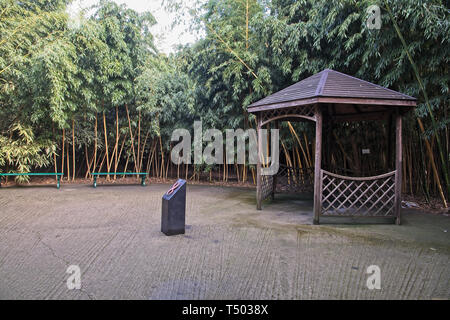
x,y
58,176
142,174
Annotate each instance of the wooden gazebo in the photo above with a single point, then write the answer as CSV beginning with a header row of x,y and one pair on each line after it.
x,y
326,97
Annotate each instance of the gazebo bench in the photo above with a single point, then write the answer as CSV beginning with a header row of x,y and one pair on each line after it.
x,y
143,176
58,176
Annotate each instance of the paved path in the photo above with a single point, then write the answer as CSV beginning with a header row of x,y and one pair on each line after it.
x,y
230,250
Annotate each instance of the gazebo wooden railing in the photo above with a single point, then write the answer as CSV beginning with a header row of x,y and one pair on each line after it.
x,y
350,196
288,180
267,187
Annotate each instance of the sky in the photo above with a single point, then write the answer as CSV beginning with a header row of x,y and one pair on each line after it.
x,y
167,38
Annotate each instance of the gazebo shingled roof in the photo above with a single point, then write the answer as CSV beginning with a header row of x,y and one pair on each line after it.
x,y
332,87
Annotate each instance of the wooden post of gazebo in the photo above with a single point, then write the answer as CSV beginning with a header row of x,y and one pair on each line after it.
x,y
398,166
258,165
317,165
274,181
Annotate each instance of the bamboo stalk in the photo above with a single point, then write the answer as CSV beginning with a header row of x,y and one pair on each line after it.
x,y
55,163
95,145
62,153
73,148
155,163
119,156
112,157
149,162
101,164
88,163
138,165
428,170
106,145
288,162
68,164
404,171
126,165
54,154
162,157
246,24
298,141
167,169
117,142
433,165
410,169
153,153
224,164
131,137
346,156
307,148
143,149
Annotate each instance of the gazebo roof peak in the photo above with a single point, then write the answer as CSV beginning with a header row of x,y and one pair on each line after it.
x,y
332,84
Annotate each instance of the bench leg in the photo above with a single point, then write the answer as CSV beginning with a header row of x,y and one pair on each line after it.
x,y
58,183
95,181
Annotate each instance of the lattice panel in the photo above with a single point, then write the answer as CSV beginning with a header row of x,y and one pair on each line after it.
x,y
307,110
266,186
358,197
295,180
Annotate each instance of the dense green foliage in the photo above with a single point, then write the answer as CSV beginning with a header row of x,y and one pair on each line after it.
x,y
23,151
291,40
104,96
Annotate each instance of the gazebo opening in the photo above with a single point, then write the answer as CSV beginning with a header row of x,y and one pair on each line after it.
x,y
344,186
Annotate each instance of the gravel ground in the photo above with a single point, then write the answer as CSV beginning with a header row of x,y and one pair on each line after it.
x,y
229,251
